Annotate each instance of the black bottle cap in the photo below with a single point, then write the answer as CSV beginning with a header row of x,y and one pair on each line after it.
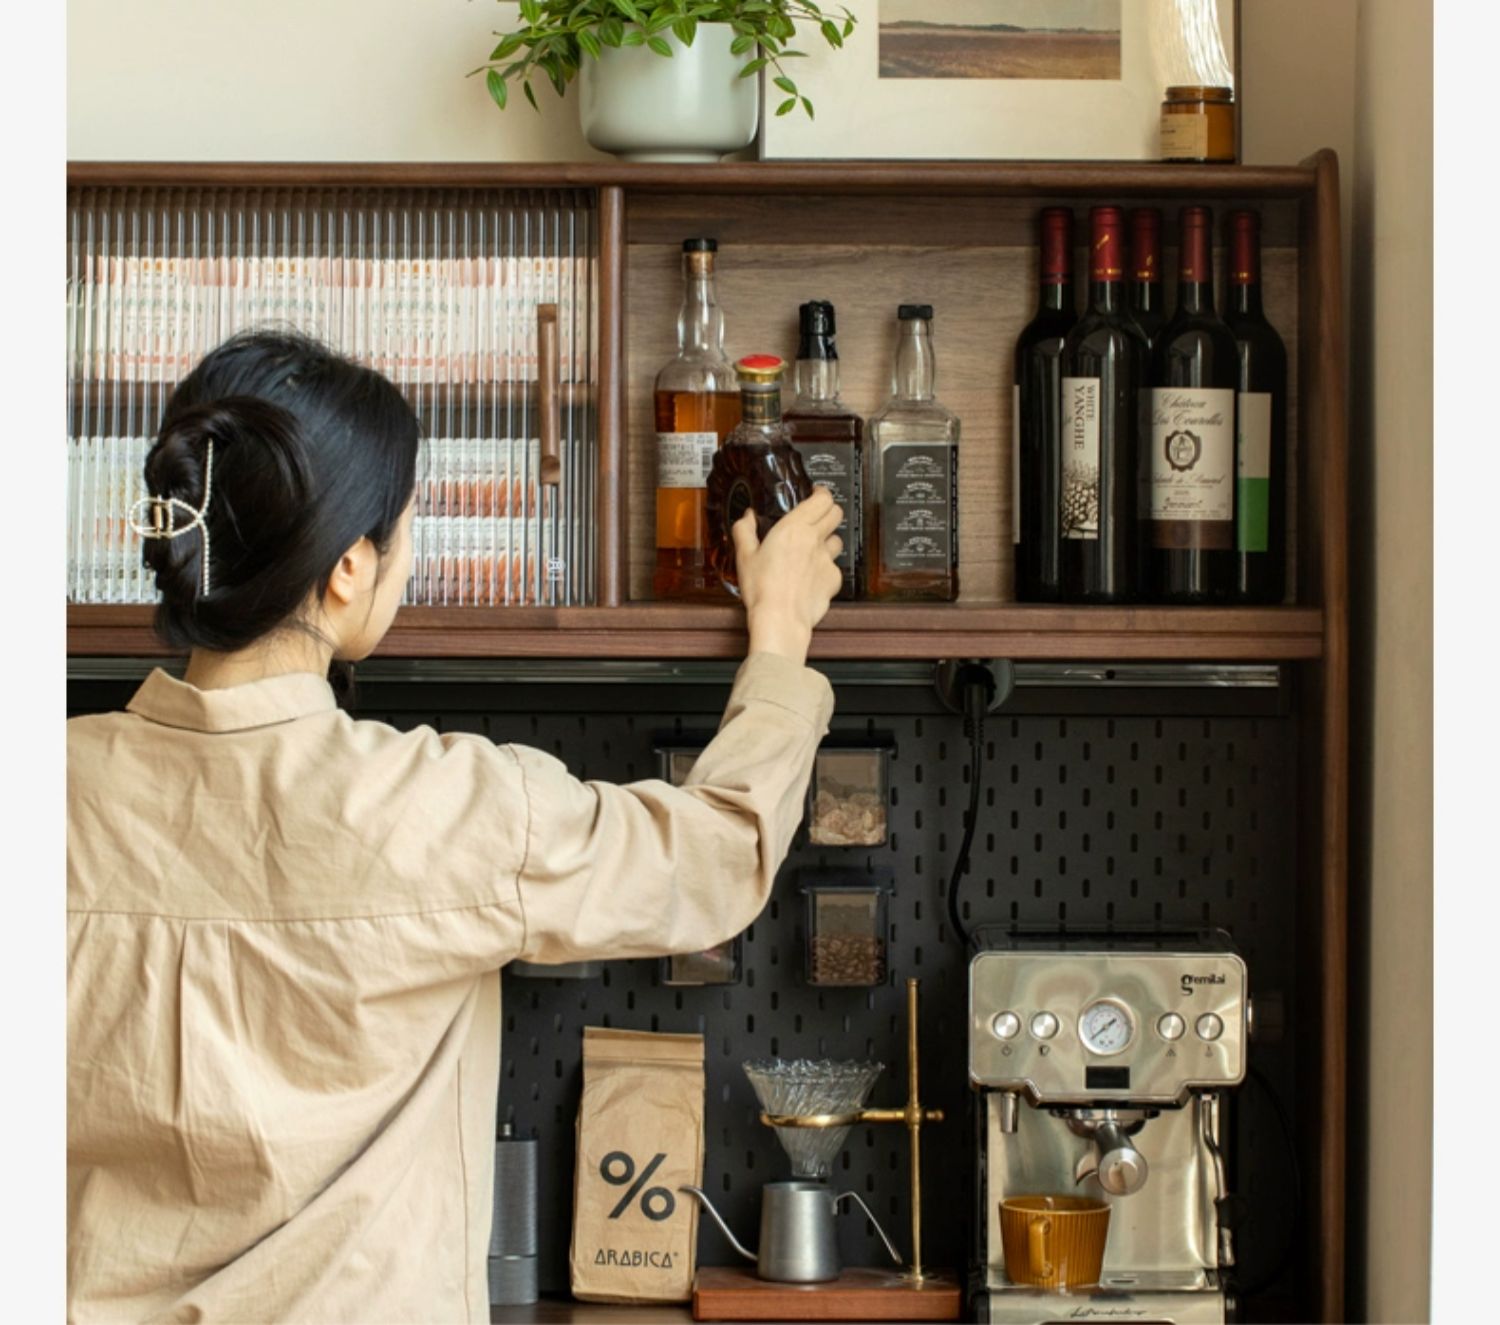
x,y
700,245
912,312
817,326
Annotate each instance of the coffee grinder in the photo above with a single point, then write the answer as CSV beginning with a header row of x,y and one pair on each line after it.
x,y
1102,1063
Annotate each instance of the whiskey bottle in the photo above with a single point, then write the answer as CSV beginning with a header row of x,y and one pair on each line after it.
x,y
697,405
757,467
829,436
913,487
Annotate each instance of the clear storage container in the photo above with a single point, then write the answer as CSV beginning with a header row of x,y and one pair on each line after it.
x,y
849,797
848,932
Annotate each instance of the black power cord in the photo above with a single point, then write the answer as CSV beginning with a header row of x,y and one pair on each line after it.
x,y
975,684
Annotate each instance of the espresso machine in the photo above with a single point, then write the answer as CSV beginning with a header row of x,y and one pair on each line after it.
x,y
1102,1063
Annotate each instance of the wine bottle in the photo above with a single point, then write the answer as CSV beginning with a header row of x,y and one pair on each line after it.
x,y
1195,369
697,406
1260,487
1036,462
1103,371
1146,298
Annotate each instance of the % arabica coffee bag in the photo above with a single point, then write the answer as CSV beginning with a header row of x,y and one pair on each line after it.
x,y
640,1138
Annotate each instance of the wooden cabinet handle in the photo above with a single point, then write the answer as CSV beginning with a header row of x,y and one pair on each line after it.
x,y
547,388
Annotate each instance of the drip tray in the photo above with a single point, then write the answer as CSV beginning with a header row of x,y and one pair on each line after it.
x,y
1171,1297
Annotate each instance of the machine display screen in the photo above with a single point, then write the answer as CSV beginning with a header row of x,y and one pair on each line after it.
x,y
1106,1078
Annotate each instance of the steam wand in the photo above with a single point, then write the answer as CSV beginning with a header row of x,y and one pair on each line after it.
x,y
913,1116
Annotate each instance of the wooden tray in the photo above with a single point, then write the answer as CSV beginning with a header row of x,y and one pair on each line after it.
x,y
732,1293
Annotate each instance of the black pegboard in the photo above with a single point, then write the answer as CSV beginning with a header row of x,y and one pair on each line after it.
x,y
1100,806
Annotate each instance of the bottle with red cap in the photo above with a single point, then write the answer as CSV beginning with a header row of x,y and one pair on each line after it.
x,y
1146,297
1103,371
757,467
1190,469
1260,467
1036,462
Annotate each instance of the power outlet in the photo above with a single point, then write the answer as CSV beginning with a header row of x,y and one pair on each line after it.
x,y
952,676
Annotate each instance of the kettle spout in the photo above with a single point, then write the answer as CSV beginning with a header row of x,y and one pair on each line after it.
x,y
718,1219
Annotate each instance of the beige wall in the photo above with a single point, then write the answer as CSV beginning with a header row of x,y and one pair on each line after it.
x,y
383,79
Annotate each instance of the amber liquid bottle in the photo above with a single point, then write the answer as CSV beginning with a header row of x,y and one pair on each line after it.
x,y
697,406
829,435
913,488
757,467
1260,486
1195,368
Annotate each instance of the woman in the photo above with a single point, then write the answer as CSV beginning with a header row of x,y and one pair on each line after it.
x,y
286,926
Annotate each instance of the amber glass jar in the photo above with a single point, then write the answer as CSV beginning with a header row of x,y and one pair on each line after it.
x,y
1197,124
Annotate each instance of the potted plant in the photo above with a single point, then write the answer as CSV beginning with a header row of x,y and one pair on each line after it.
x,y
662,80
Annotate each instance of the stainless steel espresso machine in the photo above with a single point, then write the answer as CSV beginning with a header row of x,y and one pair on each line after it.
x,y
1102,1064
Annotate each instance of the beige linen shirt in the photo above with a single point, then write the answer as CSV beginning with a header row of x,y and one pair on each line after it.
x,y
285,929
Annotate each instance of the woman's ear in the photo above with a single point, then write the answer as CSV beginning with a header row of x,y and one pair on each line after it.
x,y
354,575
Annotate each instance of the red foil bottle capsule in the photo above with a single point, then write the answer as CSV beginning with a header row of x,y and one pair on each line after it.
x,y
756,468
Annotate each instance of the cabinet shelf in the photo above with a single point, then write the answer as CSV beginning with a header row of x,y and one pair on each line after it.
x,y
851,631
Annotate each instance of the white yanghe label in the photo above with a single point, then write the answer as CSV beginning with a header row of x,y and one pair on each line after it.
x,y
1192,454
683,459
1080,457
1015,463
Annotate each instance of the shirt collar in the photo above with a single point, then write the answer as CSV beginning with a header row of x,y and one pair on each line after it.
x,y
173,703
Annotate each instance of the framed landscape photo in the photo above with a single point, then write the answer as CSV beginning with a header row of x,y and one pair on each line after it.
x,y
1004,79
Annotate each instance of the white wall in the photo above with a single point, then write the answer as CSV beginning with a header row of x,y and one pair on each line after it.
x,y
384,80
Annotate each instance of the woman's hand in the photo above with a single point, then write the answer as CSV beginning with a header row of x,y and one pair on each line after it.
x,y
788,581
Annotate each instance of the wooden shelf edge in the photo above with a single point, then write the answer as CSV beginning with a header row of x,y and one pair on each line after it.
x,y
1062,178
858,631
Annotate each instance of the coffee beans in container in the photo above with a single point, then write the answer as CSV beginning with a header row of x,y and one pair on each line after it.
x,y
848,933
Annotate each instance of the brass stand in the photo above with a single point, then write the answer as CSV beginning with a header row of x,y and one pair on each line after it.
x,y
913,1115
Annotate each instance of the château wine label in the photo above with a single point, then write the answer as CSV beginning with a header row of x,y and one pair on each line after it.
x,y
919,507
1253,472
1192,467
684,459
1080,457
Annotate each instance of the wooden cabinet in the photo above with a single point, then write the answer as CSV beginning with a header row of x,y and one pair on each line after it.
x,y
961,236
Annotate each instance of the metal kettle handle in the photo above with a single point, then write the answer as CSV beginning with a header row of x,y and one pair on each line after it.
x,y
870,1215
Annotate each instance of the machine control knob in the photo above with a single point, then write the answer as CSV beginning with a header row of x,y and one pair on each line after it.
x,y
1170,1026
1006,1026
1044,1025
1210,1026
1123,1171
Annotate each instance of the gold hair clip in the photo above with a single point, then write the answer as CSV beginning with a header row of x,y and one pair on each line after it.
x,y
163,513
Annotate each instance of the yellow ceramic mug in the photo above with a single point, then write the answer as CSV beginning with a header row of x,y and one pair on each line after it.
x,y
1053,1241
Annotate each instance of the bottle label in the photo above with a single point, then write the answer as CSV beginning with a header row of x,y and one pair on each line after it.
x,y
1184,137
919,506
1080,457
683,459
833,465
1192,467
1253,472
1015,463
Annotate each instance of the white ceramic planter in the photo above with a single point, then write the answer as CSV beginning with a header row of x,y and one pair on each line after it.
x,y
692,107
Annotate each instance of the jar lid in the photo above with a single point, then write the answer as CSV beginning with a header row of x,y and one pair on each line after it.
x,y
1187,92
833,880
700,245
914,312
759,368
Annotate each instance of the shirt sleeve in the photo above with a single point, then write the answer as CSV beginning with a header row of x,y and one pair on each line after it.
x,y
647,869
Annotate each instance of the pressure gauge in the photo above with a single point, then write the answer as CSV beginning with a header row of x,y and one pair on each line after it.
x,y
1106,1027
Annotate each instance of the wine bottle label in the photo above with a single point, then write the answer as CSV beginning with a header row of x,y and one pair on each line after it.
x,y
1252,525
834,465
1184,137
1192,467
919,506
1080,457
1015,463
683,459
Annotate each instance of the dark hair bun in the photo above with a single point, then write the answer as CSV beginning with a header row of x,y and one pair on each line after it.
x,y
310,452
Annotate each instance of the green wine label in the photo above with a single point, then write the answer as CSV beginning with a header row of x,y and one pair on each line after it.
x,y
1252,505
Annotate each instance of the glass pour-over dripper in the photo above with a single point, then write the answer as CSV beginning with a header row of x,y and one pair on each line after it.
x,y
802,1086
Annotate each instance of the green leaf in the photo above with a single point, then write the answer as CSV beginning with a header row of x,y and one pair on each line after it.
x,y
634,37
786,105
740,45
612,32
496,85
831,33
685,29
589,42
785,84
753,67
659,46
628,8
848,27
807,106
508,46
531,11
530,95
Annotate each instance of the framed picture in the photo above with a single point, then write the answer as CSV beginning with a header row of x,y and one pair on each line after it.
x,y
1004,79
